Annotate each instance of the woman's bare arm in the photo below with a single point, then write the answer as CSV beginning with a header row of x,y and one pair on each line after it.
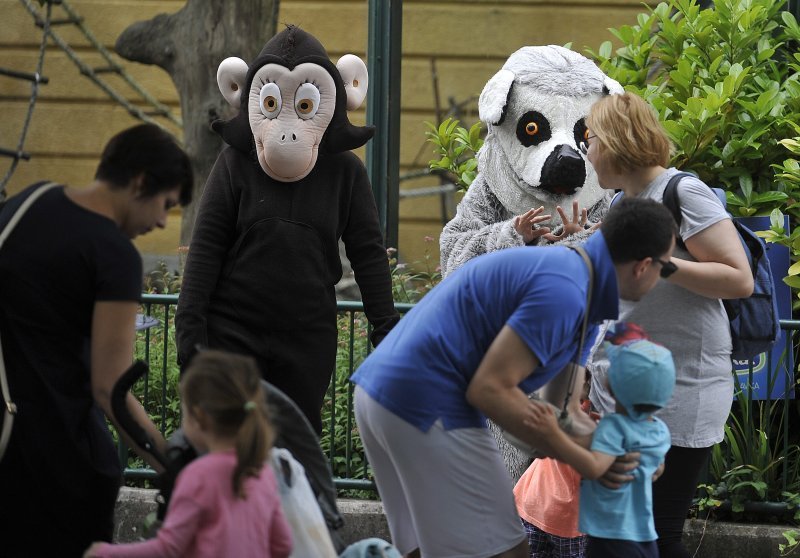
x,y
113,335
721,269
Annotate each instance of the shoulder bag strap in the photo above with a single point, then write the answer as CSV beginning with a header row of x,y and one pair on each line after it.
x,y
10,409
574,368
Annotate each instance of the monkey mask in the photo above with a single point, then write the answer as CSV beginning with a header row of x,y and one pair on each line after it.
x,y
293,104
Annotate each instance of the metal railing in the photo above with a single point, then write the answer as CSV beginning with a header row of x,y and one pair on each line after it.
x,y
340,441
158,390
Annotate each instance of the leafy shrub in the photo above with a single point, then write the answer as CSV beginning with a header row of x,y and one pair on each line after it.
x,y
755,462
788,171
456,148
724,83
340,439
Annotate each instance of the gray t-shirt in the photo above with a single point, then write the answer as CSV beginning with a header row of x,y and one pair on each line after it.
x,y
695,328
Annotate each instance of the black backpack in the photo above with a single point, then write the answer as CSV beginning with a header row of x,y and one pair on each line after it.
x,y
755,323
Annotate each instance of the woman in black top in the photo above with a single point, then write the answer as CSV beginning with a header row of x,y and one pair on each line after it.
x,y
71,281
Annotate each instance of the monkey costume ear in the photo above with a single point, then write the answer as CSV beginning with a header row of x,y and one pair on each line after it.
x,y
231,76
356,79
232,80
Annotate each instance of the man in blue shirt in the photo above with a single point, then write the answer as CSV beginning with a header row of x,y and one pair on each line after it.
x,y
501,326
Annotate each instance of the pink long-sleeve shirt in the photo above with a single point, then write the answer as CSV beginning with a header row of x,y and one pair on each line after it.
x,y
205,519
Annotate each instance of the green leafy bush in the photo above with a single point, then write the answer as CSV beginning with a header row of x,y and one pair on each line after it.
x,y
340,439
789,171
456,148
725,85
755,463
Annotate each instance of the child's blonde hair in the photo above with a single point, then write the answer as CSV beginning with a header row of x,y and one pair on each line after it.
x,y
629,132
227,388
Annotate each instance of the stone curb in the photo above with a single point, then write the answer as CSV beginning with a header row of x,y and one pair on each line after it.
x,y
720,539
365,518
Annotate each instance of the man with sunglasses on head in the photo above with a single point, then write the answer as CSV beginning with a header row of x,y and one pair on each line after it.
x,y
501,326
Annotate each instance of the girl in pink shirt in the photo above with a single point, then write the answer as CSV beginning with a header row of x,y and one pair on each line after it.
x,y
225,503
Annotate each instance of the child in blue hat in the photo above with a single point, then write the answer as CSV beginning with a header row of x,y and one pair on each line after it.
x,y
619,522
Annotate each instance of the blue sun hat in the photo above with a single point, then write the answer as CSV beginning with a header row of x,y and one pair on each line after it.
x,y
640,373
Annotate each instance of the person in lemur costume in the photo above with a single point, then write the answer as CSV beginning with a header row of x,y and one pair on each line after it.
x,y
263,259
534,186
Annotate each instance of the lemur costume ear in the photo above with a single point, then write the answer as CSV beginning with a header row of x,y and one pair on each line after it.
x,y
494,98
612,87
290,48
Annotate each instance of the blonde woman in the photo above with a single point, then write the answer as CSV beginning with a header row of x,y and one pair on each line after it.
x,y
629,150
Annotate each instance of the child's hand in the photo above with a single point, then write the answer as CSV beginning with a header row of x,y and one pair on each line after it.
x,y
527,224
659,472
93,551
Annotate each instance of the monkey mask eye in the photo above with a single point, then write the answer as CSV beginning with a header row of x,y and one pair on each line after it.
x,y
269,99
307,101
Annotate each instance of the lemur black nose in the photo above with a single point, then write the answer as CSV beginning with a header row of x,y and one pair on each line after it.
x,y
564,171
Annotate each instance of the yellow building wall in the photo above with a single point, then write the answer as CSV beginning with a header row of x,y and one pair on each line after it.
x,y
453,46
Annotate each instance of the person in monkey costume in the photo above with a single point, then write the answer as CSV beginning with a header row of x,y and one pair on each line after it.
x,y
264,259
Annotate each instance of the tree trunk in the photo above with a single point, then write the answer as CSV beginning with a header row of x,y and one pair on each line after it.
x,y
189,45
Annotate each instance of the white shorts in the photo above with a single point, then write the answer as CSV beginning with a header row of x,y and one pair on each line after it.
x,y
445,492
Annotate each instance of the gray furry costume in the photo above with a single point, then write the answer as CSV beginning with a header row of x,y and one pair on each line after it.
x,y
535,109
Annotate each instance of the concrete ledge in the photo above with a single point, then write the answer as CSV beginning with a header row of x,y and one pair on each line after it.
x,y
130,513
365,518
719,539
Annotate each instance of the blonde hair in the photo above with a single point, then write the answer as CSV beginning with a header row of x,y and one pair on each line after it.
x,y
227,388
629,132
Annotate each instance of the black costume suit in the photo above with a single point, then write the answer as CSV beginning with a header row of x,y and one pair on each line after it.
x,y
264,259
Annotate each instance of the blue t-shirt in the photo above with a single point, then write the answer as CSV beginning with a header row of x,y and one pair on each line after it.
x,y
422,369
625,513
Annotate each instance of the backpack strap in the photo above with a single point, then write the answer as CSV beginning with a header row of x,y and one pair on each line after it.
x,y
10,409
32,197
671,199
